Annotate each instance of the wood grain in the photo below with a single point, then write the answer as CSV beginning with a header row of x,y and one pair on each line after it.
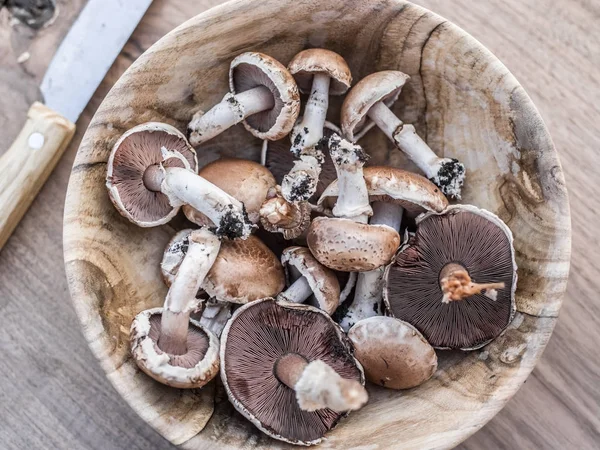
x,y
28,163
53,393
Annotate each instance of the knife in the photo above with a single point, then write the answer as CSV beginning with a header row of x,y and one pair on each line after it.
x,y
78,67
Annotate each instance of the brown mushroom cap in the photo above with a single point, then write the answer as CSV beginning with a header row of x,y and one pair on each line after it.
x,y
379,86
393,353
136,151
323,281
245,270
253,69
349,246
254,339
412,191
309,62
474,239
279,160
246,181
192,369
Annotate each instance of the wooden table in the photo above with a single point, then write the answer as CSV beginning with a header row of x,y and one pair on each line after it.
x,y
53,393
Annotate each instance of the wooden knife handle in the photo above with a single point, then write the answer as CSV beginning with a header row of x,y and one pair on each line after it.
x,y
28,162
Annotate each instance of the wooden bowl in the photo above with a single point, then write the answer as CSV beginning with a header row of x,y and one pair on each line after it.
x,y
461,99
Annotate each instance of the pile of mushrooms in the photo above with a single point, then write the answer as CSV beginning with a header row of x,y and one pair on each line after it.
x,y
291,278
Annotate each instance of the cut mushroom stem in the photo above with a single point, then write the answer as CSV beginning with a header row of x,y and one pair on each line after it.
x,y
181,298
277,215
447,173
299,291
456,284
353,197
368,296
233,109
318,386
183,187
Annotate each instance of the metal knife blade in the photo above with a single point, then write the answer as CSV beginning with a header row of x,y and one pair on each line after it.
x,y
87,52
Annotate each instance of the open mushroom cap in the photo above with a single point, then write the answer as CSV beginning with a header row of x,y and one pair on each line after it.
x,y
349,246
412,191
392,352
245,270
379,86
253,69
246,181
309,62
474,239
323,281
254,339
278,158
137,150
193,369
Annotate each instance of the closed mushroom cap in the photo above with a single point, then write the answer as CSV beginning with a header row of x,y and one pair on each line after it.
x,y
380,86
138,149
348,246
246,181
253,69
254,339
243,271
318,60
473,239
193,369
322,281
412,191
393,353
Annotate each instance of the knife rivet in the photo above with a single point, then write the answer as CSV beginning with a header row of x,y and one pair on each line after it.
x,y
36,141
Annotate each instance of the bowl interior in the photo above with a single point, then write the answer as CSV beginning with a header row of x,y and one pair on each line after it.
x,y
462,100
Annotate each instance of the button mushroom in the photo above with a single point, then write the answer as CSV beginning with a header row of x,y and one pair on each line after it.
x,y
289,369
263,95
372,97
393,353
165,343
254,186
242,272
313,278
280,161
346,243
456,278
319,73
151,173
391,191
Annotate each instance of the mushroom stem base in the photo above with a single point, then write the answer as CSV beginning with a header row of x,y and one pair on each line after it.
x,y
456,284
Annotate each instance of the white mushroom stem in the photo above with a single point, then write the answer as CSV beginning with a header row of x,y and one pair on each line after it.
x,y
309,131
298,291
300,183
184,187
181,299
353,196
368,295
318,386
231,110
215,317
447,173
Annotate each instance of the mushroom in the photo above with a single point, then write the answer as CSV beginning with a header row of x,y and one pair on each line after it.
x,y
455,279
263,95
280,161
165,343
346,243
391,191
313,278
254,186
289,369
393,353
372,97
242,272
319,73
151,173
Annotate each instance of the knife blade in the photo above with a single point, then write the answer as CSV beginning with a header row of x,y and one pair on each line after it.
x,y
81,62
